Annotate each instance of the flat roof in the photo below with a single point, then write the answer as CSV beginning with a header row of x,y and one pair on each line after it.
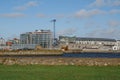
x,y
94,39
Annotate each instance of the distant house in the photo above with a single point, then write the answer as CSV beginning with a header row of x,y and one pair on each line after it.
x,y
13,41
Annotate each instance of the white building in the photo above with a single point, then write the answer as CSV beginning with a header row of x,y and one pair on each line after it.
x,y
117,45
87,43
2,42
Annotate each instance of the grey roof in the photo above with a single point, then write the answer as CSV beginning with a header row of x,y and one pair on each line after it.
x,y
87,39
95,39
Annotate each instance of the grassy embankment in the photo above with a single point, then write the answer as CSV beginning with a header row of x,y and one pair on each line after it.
x,y
37,72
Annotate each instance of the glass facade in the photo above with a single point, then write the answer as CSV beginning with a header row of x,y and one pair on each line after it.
x,y
42,38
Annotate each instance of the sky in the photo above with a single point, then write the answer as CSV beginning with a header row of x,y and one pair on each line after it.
x,y
81,18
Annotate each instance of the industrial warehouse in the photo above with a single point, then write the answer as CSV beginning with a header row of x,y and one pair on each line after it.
x,y
89,43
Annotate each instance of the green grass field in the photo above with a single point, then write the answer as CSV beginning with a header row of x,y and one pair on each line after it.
x,y
37,72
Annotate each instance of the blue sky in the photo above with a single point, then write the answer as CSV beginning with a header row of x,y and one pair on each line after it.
x,y
82,18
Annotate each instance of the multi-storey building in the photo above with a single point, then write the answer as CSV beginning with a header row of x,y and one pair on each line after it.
x,y
2,42
87,43
13,41
42,38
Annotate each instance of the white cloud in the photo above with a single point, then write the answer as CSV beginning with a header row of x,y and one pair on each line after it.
x,y
105,33
31,3
101,3
115,11
83,13
90,24
116,3
97,3
114,23
26,6
20,8
58,16
12,15
41,15
68,31
88,13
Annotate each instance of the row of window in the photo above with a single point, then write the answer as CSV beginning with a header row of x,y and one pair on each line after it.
x,y
94,42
